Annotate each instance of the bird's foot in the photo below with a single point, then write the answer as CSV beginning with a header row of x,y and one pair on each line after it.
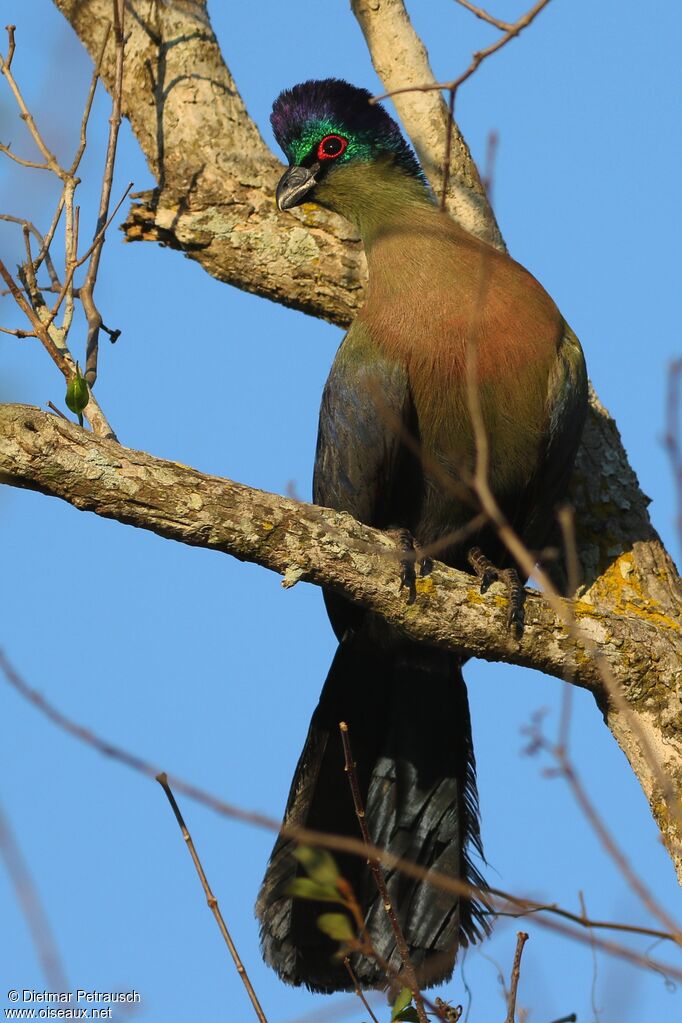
x,y
488,574
410,560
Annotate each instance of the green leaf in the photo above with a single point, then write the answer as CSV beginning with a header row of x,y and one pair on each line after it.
x,y
77,392
336,926
402,1001
318,864
305,888
408,1015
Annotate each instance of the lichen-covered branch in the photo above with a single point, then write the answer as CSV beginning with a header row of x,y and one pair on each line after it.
x,y
42,452
302,542
216,177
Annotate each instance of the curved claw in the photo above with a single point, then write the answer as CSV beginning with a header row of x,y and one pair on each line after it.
x,y
488,574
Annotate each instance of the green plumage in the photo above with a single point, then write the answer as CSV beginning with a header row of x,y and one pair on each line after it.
x,y
396,449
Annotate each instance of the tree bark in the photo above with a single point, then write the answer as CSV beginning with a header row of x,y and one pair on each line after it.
x,y
214,200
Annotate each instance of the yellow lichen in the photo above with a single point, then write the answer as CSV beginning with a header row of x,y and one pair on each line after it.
x,y
425,585
621,589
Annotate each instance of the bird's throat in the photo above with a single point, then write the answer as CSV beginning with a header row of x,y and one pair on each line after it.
x,y
374,196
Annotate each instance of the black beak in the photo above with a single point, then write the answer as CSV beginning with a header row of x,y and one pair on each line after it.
x,y
294,185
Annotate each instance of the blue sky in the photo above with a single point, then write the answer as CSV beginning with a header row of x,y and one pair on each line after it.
x,y
207,667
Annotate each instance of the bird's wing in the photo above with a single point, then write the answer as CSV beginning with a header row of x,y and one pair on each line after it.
x,y
566,409
364,424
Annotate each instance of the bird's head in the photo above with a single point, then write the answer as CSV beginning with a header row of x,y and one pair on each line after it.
x,y
339,146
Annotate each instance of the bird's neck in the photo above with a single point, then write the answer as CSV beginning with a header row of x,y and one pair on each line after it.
x,y
376,197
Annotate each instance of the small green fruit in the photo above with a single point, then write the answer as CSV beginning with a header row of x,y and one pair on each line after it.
x,y
77,393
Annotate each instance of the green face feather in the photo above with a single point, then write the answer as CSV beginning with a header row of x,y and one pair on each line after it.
x,y
305,146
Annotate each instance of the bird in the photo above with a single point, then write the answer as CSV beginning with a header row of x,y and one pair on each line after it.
x,y
397,449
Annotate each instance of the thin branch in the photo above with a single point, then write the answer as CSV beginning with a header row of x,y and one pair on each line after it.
x,y
29,269
79,262
88,103
45,250
57,411
18,333
511,33
43,242
476,61
21,161
11,29
377,873
529,907
453,86
162,779
504,26
521,940
32,908
51,161
566,769
88,287
358,989
58,356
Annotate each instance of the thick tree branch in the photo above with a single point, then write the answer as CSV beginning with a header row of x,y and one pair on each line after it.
x,y
302,542
216,177
41,452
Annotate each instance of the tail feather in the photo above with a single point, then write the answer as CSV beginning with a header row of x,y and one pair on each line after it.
x,y
408,717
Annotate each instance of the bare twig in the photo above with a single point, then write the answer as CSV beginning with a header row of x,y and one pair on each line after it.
x,y
452,87
28,273
162,779
57,411
511,32
11,29
566,769
87,288
32,907
54,340
358,989
43,242
18,333
504,26
79,262
88,103
45,250
377,873
23,162
51,162
57,355
477,59
521,939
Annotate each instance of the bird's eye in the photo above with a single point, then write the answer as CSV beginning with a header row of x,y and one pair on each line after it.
x,y
331,147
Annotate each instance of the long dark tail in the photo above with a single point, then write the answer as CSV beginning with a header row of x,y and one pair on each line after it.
x,y
408,716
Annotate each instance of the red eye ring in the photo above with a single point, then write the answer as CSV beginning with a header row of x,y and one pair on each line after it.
x,y
331,147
